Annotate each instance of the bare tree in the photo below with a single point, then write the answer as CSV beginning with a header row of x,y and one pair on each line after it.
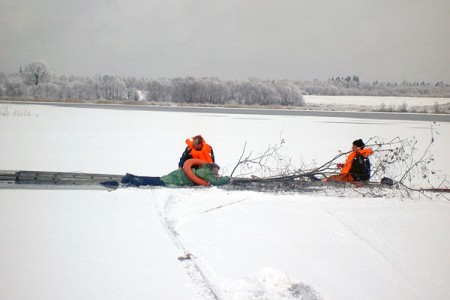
x,y
110,87
14,87
36,73
45,90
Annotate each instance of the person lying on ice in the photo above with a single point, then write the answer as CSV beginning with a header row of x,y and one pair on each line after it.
x,y
357,166
197,148
207,171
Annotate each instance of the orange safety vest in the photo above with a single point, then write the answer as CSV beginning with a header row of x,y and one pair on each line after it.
x,y
348,163
204,154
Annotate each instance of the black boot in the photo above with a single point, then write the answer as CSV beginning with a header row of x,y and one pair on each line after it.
x,y
111,184
127,178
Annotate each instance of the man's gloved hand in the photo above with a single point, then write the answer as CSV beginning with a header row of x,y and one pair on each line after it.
x,y
340,166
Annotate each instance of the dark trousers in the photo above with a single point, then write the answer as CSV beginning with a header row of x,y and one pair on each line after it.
x,y
146,180
142,180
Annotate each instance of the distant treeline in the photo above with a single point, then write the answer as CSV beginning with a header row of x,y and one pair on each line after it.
x,y
352,86
35,81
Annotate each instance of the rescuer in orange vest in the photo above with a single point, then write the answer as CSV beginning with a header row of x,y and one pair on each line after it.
x,y
356,167
197,148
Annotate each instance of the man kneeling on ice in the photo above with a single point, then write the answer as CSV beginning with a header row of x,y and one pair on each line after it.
x,y
208,173
357,166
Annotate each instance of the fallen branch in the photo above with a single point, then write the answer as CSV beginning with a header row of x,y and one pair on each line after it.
x,y
394,159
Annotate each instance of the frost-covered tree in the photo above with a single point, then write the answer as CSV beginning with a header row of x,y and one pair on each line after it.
x,y
207,90
14,87
36,73
289,93
45,90
133,94
212,90
159,90
110,87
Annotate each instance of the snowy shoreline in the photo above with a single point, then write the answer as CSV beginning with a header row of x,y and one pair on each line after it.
x,y
319,102
322,110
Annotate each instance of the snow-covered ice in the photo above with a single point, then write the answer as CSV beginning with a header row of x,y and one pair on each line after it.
x,y
125,244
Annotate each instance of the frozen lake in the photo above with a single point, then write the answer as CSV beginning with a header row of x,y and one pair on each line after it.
x,y
95,244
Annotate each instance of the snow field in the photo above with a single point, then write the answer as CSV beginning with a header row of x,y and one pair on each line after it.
x,y
94,244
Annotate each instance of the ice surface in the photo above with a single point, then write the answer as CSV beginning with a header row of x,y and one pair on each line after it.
x,y
125,244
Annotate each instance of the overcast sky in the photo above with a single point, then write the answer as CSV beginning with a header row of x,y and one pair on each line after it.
x,y
385,40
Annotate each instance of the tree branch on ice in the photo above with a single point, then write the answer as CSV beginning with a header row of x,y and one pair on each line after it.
x,y
398,159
